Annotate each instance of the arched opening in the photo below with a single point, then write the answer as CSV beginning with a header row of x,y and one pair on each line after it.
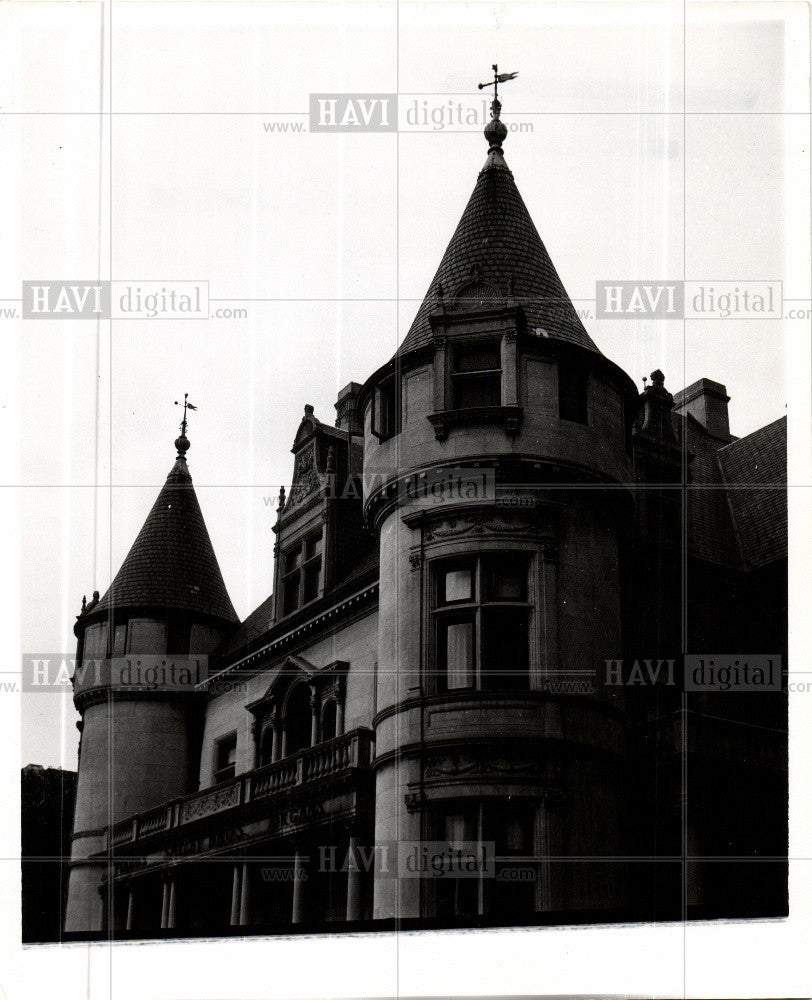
x,y
298,719
328,721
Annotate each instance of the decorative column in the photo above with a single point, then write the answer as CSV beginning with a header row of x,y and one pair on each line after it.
x,y
314,717
245,896
165,904
274,735
297,914
130,908
442,394
236,880
172,914
548,609
341,694
353,880
510,383
547,844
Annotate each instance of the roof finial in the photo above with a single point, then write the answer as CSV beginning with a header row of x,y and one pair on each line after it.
x,y
182,443
495,131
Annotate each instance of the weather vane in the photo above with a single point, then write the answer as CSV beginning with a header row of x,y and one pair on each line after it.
x,y
497,79
186,406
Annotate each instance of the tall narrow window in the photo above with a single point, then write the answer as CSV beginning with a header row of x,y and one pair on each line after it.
x,y
95,645
298,720
573,382
477,375
225,758
301,579
482,616
386,415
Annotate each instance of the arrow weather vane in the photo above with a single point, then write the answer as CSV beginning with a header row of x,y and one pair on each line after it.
x,y
497,79
186,406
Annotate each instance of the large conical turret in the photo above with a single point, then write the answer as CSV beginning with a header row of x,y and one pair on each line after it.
x,y
497,245
142,649
172,564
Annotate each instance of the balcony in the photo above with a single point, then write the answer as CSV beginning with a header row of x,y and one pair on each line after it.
x,y
308,770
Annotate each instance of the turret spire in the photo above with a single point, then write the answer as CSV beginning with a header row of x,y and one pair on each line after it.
x,y
182,443
495,131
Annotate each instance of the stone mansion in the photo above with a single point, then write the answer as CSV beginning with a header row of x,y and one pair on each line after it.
x,y
434,674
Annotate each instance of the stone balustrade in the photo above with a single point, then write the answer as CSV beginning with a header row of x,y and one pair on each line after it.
x,y
334,758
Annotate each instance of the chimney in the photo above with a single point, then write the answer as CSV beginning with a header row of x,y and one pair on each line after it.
x,y
347,409
706,401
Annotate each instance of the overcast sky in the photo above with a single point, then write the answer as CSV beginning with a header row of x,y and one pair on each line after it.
x,y
329,241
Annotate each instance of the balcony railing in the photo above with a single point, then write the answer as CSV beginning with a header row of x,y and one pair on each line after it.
x,y
335,758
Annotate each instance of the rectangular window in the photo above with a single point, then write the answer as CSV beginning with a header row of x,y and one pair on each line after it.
x,y
482,619
203,639
225,758
386,414
95,645
457,653
504,825
458,585
146,636
505,654
573,382
301,583
477,375
120,640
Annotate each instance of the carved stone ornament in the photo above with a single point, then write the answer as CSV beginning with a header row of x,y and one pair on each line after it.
x,y
305,477
206,805
478,523
414,801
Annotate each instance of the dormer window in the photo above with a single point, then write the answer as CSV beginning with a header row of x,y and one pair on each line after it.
x,y
476,376
301,578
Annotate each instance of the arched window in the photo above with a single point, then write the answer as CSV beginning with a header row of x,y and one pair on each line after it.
x,y
328,721
298,719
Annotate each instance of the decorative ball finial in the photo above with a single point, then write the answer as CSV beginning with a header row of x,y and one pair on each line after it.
x,y
495,131
182,443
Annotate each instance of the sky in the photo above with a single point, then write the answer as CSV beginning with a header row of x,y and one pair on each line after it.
x,y
644,148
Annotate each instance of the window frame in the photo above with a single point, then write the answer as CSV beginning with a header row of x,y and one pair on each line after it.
x,y
481,816
299,574
476,610
217,772
457,375
387,407
150,621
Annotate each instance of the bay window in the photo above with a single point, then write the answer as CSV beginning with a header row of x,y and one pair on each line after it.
x,y
481,618
501,830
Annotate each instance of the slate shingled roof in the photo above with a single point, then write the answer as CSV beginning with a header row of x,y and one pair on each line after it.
x,y
497,234
755,471
172,563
